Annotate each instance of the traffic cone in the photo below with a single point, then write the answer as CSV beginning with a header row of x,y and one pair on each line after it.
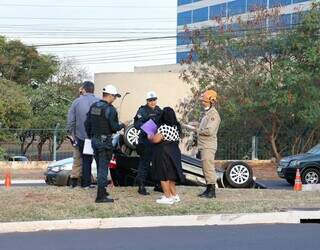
x,y
297,182
7,181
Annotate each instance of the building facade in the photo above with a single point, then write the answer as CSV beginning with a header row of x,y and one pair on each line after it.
x,y
197,14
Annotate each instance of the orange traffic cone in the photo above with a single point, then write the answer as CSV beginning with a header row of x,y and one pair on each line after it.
x,y
297,182
7,181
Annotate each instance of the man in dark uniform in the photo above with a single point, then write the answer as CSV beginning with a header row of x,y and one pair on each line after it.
x,y
102,122
144,147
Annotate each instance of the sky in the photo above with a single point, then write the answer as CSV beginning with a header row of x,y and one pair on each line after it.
x,y
49,22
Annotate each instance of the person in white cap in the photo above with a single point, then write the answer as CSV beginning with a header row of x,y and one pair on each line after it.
x,y
102,121
145,147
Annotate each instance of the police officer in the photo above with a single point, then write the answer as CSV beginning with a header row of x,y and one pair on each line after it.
x,y
207,141
144,147
102,122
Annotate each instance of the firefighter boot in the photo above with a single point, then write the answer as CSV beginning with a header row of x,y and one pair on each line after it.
x,y
102,196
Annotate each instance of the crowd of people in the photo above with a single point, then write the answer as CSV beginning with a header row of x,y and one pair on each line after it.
x,y
90,117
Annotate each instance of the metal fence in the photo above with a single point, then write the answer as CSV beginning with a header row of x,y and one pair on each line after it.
x,y
28,143
35,144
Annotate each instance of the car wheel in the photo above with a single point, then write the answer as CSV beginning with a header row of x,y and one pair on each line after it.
x,y
290,181
131,136
239,175
311,176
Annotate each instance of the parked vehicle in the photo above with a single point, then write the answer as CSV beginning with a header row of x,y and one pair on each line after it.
x,y
308,164
235,174
59,172
20,158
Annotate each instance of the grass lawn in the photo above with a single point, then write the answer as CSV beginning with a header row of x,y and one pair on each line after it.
x,y
53,203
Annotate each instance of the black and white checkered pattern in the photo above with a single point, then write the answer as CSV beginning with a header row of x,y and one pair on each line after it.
x,y
169,133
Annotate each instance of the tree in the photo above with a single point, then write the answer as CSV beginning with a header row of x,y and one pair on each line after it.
x,y
267,79
23,64
15,110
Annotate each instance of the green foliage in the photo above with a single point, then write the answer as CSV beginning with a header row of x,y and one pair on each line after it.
x,y
23,64
2,154
15,110
268,85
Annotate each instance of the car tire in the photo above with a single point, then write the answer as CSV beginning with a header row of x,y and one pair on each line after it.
x,y
131,136
239,175
310,176
290,181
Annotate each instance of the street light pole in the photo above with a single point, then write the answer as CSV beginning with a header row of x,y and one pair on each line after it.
x,y
55,142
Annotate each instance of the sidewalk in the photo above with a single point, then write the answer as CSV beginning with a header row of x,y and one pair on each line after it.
x,y
289,217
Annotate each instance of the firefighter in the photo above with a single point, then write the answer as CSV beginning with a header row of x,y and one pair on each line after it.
x,y
207,141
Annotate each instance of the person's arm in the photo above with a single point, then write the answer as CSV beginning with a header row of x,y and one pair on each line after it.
x,y
157,138
88,125
71,120
211,127
112,116
140,119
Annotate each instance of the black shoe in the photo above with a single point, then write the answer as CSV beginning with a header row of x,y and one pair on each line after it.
x,y
210,192
102,196
74,182
158,188
142,190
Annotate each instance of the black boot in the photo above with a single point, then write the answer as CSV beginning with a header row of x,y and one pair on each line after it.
x,y
102,196
142,190
157,188
74,182
210,192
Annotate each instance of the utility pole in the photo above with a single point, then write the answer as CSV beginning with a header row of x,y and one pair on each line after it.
x,y
55,142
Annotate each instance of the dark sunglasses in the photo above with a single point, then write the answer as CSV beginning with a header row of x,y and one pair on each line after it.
x,y
152,99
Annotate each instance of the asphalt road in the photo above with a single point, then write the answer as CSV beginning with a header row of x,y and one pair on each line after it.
x,y
264,237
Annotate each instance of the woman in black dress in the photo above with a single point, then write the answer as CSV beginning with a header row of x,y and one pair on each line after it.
x,y
167,156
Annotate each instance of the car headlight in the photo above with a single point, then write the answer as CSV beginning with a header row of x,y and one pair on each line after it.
x,y
294,163
56,169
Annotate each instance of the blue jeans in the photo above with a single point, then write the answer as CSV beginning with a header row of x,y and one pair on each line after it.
x,y
102,154
86,165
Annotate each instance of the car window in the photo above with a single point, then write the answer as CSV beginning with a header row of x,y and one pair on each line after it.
x,y
315,150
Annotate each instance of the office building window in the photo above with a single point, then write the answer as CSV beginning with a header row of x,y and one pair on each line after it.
x,y
184,38
200,15
183,2
184,18
218,10
281,22
299,1
236,7
253,5
186,56
278,3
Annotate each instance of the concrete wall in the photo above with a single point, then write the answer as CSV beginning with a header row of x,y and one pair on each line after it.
x,y
169,88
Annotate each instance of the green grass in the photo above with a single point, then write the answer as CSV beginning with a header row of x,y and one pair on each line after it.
x,y
54,203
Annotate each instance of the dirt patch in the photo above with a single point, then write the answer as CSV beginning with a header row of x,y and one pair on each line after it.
x,y
53,203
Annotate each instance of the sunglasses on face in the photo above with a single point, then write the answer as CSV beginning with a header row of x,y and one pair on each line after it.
x,y
152,99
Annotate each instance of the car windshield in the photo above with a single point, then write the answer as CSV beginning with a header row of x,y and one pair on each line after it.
x,y
315,149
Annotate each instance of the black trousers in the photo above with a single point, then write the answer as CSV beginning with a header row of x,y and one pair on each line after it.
x,y
86,165
146,153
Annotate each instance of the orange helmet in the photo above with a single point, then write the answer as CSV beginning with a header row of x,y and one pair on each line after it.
x,y
209,96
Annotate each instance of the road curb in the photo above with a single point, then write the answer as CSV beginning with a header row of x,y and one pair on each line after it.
x,y
289,217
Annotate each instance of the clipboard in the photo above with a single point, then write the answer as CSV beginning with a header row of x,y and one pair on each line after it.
x,y
149,127
87,148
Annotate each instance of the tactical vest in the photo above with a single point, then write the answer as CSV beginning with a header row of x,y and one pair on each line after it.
x,y
99,123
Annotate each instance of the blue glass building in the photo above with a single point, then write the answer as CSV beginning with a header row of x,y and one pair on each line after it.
x,y
197,14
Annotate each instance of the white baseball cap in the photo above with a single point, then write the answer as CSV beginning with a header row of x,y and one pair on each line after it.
x,y
112,90
151,95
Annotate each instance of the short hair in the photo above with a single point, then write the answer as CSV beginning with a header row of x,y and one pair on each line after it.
x,y
88,86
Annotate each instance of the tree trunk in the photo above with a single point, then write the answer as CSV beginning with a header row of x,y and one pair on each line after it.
x,y
275,148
